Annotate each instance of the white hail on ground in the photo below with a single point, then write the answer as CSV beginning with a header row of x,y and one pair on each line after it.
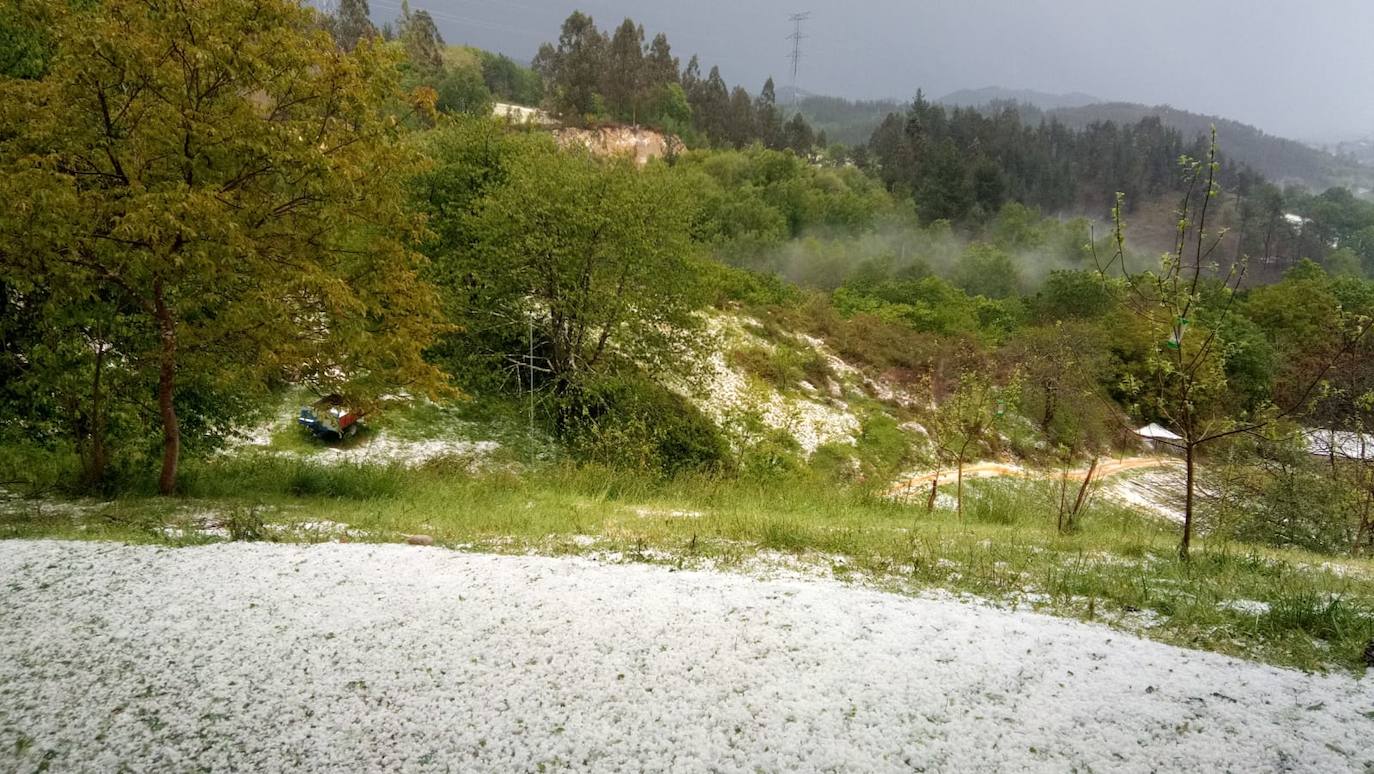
x,y
259,657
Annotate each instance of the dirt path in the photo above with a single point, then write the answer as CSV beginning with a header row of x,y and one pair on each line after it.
x,y
1105,468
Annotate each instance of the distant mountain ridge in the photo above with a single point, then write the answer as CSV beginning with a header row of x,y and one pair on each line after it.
x,y
1279,159
1040,99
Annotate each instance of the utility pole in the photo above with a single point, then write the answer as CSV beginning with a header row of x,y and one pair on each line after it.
x,y
796,37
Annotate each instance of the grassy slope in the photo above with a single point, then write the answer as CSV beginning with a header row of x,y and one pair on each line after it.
x,y
1119,568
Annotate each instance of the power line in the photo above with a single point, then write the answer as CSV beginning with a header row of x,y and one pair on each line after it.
x,y
796,37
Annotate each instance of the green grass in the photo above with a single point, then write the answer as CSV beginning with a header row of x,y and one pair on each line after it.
x,y
1119,568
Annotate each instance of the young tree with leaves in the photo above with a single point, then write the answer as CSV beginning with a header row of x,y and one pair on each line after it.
x,y
1186,305
224,177
966,418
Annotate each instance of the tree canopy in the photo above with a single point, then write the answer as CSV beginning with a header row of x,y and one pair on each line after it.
x,y
218,188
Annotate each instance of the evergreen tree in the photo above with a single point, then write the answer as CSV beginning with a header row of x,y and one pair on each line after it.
x,y
423,44
623,83
660,64
351,23
572,71
740,130
798,136
713,110
768,119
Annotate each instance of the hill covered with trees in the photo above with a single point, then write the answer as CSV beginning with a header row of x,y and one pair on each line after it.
x,y
1281,160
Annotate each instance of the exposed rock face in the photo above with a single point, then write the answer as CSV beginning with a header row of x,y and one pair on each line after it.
x,y
633,141
519,114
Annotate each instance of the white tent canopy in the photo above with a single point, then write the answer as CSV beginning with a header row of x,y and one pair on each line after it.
x,y
1157,432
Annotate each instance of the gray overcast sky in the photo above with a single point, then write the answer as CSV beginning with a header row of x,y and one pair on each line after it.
x,y
1300,69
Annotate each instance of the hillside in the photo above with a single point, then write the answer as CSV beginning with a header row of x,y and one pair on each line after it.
x,y
1279,159
1039,99
847,121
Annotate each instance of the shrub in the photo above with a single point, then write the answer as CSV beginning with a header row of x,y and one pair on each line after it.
x,y
626,420
770,455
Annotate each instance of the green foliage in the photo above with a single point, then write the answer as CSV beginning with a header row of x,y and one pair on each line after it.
x,y
1063,367
1274,492
206,248
929,304
510,82
961,164
729,284
597,253
573,70
1073,294
462,90
25,44
784,367
626,421
883,447
1297,311
591,76
768,455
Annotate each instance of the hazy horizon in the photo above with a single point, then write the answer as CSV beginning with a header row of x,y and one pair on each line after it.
x,y
1295,73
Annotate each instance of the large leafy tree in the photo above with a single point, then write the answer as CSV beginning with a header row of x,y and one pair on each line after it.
x,y
216,186
596,255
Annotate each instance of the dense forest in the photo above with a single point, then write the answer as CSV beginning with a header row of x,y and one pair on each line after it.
x,y
1280,160
1277,158
195,222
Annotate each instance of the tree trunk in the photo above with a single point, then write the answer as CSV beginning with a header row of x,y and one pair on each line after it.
x,y
934,490
95,463
166,388
1063,496
1188,458
1363,533
1082,499
959,491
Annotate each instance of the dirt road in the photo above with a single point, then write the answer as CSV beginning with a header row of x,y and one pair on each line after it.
x,y
1108,467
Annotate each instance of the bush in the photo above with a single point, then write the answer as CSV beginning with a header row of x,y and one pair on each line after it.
x,y
1276,494
784,367
770,455
628,421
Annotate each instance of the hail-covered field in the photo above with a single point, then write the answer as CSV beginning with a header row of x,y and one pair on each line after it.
x,y
261,657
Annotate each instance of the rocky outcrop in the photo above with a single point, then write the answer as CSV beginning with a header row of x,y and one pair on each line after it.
x,y
636,142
